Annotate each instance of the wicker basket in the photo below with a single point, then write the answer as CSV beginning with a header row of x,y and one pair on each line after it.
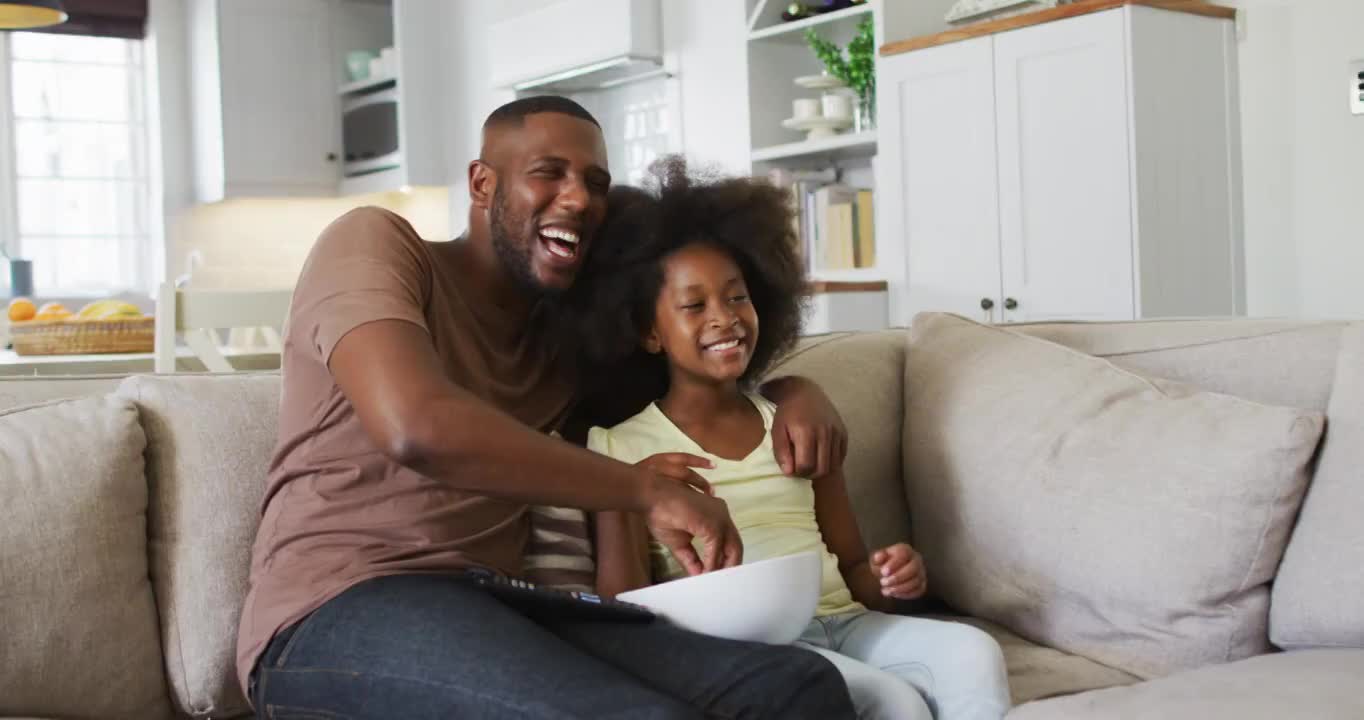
x,y
83,337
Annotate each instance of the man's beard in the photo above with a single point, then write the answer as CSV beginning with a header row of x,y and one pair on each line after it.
x,y
514,256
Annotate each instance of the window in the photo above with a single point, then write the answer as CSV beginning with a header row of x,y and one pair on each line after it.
x,y
75,117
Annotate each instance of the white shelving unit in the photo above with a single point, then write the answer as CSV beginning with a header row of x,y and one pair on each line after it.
x,y
365,85
792,31
834,149
414,29
778,53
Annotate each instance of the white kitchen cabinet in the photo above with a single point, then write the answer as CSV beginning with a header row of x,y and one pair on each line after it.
x,y
263,89
936,177
417,29
1085,168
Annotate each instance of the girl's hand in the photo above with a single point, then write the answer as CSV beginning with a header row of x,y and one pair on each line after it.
x,y
900,570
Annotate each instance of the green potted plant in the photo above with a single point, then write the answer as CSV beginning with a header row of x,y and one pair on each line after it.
x,y
856,67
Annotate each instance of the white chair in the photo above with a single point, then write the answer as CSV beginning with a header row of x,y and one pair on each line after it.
x,y
199,314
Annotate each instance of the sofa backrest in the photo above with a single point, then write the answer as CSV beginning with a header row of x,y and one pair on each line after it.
x,y
19,391
1276,362
1316,601
863,373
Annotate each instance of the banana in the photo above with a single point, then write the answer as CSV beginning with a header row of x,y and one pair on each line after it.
x,y
109,310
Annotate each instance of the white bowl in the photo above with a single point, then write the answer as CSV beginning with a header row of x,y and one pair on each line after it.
x,y
769,601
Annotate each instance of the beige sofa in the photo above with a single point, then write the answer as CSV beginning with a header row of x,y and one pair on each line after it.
x,y
131,504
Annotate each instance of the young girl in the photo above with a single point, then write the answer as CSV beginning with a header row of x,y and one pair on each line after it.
x,y
705,282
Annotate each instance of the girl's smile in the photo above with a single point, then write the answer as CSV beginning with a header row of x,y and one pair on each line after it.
x,y
704,321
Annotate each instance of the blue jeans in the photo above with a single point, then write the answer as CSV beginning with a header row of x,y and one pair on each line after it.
x,y
911,668
436,646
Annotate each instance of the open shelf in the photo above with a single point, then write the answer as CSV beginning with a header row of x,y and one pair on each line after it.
x,y
366,85
793,31
838,147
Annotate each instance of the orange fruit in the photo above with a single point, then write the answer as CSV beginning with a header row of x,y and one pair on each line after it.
x,y
21,309
52,311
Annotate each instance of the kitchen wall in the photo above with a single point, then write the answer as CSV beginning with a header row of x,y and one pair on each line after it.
x,y
704,50
1304,157
262,243
1267,138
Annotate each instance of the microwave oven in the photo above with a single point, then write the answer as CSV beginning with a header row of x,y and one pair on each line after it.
x,y
369,132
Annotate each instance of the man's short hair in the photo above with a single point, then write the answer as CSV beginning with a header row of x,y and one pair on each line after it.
x,y
515,112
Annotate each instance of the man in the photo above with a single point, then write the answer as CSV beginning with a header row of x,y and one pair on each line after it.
x,y
418,392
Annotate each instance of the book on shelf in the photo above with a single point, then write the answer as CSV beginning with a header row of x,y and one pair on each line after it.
x,y
834,222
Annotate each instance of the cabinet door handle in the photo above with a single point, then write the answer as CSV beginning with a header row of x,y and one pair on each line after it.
x,y
987,304
331,157
1010,304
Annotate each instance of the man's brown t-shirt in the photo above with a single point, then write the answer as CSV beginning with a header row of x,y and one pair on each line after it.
x,y
337,510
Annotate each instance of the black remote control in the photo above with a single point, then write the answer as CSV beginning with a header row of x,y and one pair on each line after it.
x,y
551,603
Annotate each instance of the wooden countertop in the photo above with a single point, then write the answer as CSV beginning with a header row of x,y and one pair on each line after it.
x,y
818,287
1079,7
12,363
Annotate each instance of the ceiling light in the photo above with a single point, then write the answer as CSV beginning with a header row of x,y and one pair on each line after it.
x,y
27,14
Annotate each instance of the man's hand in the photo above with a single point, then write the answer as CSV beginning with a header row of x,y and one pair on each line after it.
x,y
678,466
900,570
681,507
808,435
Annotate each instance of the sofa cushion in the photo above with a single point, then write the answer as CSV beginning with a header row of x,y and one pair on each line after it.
x,y
1316,684
1317,595
863,374
78,633
1131,521
1037,671
209,442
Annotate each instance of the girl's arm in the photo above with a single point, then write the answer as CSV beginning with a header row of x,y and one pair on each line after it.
x,y
622,543
838,525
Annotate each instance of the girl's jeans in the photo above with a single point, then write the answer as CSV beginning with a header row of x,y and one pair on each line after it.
x,y
911,668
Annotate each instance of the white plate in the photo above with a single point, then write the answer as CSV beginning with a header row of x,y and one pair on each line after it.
x,y
768,601
818,127
819,82
817,123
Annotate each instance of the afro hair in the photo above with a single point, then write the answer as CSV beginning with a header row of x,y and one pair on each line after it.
x,y
747,218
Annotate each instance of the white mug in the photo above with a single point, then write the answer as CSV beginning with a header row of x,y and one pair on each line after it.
x,y
805,108
837,105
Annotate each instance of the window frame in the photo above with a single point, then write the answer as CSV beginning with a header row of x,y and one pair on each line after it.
x,y
140,247
9,165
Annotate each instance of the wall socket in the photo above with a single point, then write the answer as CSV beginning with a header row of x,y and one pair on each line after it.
x,y
1357,87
